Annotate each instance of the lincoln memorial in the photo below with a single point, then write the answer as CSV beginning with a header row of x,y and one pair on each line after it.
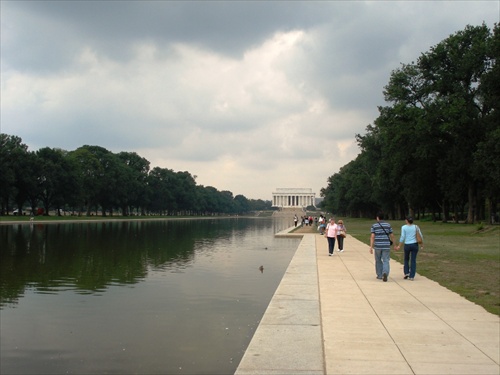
x,y
293,197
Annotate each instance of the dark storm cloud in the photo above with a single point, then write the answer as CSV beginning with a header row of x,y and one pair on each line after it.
x,y
47,34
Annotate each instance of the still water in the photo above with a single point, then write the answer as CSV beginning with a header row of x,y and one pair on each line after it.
x,y
138,297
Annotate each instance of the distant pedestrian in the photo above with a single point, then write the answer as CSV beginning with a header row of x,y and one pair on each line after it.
x,y
409,239
381,239
331,234
322,224
341,233
295,220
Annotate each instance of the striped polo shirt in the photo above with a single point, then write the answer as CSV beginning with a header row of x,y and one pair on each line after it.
x,y
382,240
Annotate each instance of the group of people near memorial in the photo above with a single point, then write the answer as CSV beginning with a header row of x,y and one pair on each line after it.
x,y
309,221
381,240
305,220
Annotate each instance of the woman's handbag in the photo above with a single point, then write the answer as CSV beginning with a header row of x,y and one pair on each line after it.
x,y
342,233
419,237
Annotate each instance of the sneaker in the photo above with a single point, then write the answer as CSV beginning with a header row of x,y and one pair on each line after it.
x,y
384,277
406,276
330,254
411,278
341,251
378,277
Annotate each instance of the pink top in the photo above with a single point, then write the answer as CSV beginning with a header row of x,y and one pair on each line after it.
x,y
331,230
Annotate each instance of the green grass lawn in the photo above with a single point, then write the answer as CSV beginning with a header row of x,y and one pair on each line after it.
x,y
457,256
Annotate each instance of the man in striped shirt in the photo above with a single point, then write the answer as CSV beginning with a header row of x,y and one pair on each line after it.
x,y
381,240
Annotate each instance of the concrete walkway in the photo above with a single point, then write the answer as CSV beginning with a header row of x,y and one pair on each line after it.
x,y
330,315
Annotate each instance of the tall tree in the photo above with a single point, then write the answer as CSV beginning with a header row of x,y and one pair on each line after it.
x,y
89,171
161,182
444,86
452,72
185,191
241,204
12,150
56,178
442,116
138,168
487,157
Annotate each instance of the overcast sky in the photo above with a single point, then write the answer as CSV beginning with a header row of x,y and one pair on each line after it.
x,y
247,95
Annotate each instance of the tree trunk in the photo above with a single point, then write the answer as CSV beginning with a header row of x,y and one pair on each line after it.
x,y
472,202
445,211
411,211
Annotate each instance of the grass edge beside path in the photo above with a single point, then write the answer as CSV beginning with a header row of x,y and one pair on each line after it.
x,y
464,258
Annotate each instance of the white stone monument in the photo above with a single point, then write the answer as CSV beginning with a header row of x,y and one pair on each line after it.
x,y
293,198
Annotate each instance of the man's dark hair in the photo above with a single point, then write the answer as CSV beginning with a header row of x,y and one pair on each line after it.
x,y
380,215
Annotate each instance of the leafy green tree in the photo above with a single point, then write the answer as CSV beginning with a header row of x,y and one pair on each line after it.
x,y
420,152
138,169
112,179
259,205
161,182
92,178
226,202
452,71
241,204
25,181
438,120
56,178
184,190
487,157
209,197
89,170
12,150
350,192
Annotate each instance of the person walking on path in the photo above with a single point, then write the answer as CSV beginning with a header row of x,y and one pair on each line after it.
x,y
331,234
341,232
410,241
322,224
381,239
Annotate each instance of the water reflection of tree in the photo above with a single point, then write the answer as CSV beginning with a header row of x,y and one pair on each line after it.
x,y
89,257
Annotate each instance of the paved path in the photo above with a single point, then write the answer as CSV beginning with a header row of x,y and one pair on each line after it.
x,y
330,315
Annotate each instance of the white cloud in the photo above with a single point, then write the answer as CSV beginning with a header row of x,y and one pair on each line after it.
x,y
246,104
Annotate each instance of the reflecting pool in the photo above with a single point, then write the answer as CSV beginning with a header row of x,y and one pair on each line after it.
x,y
136,297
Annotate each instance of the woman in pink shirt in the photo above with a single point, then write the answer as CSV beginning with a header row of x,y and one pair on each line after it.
x,y
331,234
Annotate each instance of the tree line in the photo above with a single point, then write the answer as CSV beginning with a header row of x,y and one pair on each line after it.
x,y
92,180
435,148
